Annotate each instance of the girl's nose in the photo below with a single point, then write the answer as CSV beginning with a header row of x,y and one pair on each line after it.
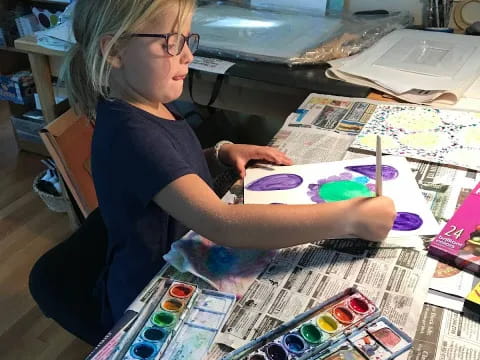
x,y
186,56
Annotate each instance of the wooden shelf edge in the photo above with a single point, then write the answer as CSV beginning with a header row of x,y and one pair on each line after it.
x,y
12,49
29,44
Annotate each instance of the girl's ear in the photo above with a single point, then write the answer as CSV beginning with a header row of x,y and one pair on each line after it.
x,y
114,57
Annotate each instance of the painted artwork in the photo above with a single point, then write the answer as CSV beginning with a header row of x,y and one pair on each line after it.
x,y
443,136
343,180
225,269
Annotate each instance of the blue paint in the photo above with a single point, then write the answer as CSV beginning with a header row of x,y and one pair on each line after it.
x,y
143,351
220,260
294,344
361,179
301,113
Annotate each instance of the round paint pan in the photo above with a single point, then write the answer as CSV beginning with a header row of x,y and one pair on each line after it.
x,y
311,333
276,351
172,305
154,334
163,319
294,344
143,350
257,357
181,291
327,323
359,305
343,315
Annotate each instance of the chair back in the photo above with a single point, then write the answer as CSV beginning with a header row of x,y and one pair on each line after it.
x,y
68,139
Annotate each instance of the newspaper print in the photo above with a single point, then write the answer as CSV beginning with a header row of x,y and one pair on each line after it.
x,y
396,278
301,277
443,334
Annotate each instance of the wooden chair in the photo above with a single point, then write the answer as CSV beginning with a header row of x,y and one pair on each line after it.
x,y
68,139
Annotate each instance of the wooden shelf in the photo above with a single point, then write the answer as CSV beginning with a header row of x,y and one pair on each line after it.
x,y
29,44
12,49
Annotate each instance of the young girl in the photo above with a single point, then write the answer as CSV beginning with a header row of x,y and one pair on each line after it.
x,y
150,173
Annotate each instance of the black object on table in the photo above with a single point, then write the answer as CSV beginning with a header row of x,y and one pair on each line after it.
x,y
298,80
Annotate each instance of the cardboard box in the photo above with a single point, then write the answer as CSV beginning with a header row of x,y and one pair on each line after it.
x,y
472,301
459,241
27,125
68,140
17,88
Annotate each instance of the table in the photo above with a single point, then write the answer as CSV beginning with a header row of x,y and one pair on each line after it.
x,y
396,276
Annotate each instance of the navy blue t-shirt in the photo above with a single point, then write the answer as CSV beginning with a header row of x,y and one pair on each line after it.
x,y
135,155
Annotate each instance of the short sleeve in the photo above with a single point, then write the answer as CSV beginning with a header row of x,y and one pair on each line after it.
x,y
149,160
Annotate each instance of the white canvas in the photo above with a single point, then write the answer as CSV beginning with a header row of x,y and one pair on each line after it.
x,y
403,189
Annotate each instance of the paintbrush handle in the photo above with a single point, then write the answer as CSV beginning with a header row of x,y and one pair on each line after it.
x,y
378,167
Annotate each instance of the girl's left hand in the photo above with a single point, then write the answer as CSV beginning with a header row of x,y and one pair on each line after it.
x,y
238,155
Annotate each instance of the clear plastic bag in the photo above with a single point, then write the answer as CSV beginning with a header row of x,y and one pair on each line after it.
x,y
293,38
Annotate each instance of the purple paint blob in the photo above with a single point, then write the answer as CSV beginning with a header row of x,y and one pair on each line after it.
x,y
388,172
275,182
406,221
276,352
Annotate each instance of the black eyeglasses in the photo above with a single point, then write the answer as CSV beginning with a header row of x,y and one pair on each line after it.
x,y
175,42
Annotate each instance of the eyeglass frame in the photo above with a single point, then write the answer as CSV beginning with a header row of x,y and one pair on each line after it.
x,y
167,36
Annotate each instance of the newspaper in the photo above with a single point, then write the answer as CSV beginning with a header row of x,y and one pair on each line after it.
x,y
444,188
301,277
444,335
394,277
322,128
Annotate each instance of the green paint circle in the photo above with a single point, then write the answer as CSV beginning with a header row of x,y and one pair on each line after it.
x,y
163,319
311,333
343,190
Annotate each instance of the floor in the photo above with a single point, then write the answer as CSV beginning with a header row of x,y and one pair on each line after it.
x,y
27,230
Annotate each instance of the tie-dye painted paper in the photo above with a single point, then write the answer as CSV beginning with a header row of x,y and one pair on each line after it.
x,y
343,180
225,269
442,136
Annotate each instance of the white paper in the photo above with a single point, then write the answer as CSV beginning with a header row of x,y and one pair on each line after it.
x,y
453,281
365,64
403,189
210,65
445,301
429,57
62,32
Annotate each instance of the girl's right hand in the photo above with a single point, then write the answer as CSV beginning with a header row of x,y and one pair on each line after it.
x,y
372,218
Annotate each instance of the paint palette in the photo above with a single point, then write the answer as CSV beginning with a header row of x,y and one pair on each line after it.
x,y
182,325
347,324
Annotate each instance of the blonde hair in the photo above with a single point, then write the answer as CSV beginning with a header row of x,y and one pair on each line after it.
x,y
86,71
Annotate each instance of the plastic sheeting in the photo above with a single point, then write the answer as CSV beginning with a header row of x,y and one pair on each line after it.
x,y
287,37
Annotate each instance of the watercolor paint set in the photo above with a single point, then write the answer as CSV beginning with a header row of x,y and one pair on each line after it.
x,y
179,321
347,326
459,241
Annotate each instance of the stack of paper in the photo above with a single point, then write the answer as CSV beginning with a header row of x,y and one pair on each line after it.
x,y
59,37
417,66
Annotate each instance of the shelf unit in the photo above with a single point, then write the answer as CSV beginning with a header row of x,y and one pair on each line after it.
x,y
21,57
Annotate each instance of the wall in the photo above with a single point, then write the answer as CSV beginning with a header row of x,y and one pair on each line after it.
x,y
416,7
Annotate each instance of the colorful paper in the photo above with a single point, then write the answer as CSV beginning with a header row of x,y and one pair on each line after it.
x,y
225,269
443,136
342,180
